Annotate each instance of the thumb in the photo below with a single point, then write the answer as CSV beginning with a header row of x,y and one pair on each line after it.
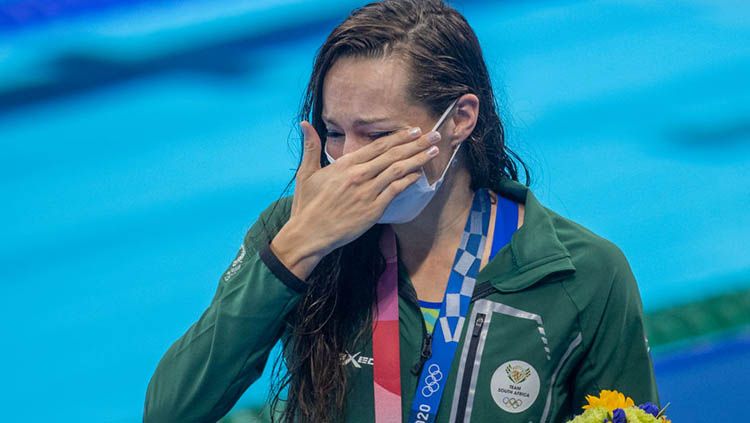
x,y
311,154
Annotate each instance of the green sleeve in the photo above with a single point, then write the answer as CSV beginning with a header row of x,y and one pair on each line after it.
x,y
204,372
617,356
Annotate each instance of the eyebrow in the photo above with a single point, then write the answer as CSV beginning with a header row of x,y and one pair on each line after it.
x,y
359,122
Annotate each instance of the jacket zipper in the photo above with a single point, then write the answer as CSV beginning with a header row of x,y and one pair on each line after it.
x,y
426,350
425,354
482,290
469,366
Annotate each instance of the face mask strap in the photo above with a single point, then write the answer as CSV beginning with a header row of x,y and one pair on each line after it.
x,y
440,121
445,115
448,166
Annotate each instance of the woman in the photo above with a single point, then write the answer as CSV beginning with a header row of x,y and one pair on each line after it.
x,y
411,277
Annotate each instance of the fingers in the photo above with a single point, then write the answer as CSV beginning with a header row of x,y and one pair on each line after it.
x,y
374,167
311,155
381,145
403,168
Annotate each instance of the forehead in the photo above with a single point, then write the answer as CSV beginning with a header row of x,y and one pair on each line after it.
x,y
362,88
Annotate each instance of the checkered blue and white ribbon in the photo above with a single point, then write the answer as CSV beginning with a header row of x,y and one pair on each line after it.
x,y
453,311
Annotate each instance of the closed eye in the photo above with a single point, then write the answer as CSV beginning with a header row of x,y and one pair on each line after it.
x,y
380,134
373,136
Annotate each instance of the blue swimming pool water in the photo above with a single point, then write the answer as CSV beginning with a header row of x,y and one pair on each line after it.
x,y
126,199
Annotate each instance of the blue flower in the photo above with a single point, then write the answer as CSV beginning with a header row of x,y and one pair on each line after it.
x,y
650,408
618,416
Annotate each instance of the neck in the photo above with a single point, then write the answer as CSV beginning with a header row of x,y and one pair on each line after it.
x,y
437,230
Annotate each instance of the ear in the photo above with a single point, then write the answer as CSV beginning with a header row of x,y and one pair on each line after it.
x,y
464,118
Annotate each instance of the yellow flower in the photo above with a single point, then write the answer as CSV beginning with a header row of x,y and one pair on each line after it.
x,y
609,400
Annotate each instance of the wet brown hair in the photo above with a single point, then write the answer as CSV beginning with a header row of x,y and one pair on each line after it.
x,y
444,61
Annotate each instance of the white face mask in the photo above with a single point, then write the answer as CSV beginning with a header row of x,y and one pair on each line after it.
x,y
410,202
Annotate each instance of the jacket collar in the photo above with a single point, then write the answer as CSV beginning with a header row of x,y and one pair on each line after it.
x,y
534,253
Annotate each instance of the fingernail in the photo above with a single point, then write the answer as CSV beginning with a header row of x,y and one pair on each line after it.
x,y
415,131
433,137
432,152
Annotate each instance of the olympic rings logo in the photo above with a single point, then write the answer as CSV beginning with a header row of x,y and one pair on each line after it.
x,y
432,380
512,402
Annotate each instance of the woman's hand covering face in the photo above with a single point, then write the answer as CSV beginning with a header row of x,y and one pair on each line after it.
x,y
341,201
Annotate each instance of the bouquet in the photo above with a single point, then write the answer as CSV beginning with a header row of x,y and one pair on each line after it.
x,y
614,407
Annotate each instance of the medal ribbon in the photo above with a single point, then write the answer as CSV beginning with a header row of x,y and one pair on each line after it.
x,y
447,332
453,312
385,336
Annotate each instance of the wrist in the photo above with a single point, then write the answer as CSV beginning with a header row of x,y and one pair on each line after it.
x,y
296,250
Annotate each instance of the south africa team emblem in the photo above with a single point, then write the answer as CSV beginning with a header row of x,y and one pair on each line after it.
x,y
515,386
517,374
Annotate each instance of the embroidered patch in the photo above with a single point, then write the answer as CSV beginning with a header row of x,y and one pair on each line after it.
x,y
515,386
236,264
355,360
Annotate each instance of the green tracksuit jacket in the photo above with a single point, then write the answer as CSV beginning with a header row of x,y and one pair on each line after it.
x,y
555,316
